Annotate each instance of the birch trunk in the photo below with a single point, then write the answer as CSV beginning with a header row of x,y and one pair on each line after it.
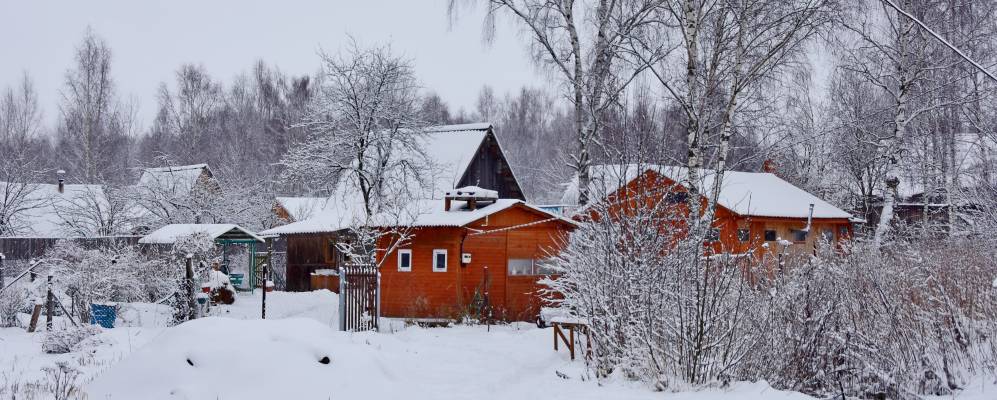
x,y
893,145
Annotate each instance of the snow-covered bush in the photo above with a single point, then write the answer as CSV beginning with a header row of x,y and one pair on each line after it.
x,y
909,319
107,274
66,340
14,300
658,310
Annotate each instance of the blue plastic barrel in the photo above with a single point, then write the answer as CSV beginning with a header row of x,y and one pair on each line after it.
x,y
103,315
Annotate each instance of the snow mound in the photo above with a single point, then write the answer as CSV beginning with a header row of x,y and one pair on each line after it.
x,y
222,358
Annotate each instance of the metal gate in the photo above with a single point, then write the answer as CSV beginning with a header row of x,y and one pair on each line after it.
x,y
359,298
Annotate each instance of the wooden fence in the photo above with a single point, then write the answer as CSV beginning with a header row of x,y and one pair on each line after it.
x,y
26,248
359,298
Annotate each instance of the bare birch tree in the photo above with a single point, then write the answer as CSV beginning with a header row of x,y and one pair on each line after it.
x,y
22,164
91,135
582,44
725,52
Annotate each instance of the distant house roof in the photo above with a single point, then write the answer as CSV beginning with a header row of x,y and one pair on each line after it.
x,y
180,179
301,208
450,149
756,194
50,214
170,233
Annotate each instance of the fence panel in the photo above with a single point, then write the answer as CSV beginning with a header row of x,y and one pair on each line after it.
x,y
359,298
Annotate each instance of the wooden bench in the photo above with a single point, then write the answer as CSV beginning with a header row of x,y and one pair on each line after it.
x,y
561,324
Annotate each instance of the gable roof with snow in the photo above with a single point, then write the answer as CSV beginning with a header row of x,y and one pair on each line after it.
x,y
49,214
170,233
756,194
301,208
459,155
178,180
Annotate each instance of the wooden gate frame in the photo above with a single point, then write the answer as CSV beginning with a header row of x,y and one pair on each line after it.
x,y
358,296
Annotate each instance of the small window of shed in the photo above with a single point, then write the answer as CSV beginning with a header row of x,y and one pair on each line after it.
x,y
770,235
799,235
743,235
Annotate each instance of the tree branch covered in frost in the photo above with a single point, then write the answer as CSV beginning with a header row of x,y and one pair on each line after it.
x,y
659,311
364,123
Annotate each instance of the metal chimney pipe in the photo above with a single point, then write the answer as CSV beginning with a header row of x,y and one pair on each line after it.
x,y
62,180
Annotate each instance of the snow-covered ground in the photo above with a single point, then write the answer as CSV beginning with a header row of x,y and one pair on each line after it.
x,y
235,355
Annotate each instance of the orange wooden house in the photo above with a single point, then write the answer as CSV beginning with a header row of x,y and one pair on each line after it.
x,y
476,255
756,212
466,244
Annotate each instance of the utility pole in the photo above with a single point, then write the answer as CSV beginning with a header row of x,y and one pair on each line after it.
x,y
48,302
263,311
189,287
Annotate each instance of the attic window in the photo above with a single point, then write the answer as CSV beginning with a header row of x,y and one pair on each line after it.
x,y
677,197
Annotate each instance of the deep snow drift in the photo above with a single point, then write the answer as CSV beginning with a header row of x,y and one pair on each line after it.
x,y
226,358
255,359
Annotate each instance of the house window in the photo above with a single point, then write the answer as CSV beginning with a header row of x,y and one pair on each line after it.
x,y
529,266
799,235
842,232
405,260
439,260
676,197
743,235
521,266
770,235
827,235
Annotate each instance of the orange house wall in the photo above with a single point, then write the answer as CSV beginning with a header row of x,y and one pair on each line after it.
x,y
423,293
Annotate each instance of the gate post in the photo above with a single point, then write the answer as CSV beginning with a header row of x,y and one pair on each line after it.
x,y
377,302
342,298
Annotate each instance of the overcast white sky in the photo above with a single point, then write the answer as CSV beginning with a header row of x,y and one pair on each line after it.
x,y
150,39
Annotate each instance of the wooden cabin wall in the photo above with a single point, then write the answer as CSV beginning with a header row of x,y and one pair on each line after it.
x,y
305,254
423,293
26,248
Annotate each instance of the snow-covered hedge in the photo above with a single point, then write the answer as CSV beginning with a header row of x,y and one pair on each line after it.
x,y
66,340
905,320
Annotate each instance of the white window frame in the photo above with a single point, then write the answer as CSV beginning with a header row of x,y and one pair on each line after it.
x,y
405,251
437,252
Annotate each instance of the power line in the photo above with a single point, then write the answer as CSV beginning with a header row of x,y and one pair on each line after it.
x,y
941,39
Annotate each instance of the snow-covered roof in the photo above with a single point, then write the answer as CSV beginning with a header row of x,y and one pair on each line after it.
x,y
170,233
449,151
301,208
50,214
756,194
459,214
179,179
